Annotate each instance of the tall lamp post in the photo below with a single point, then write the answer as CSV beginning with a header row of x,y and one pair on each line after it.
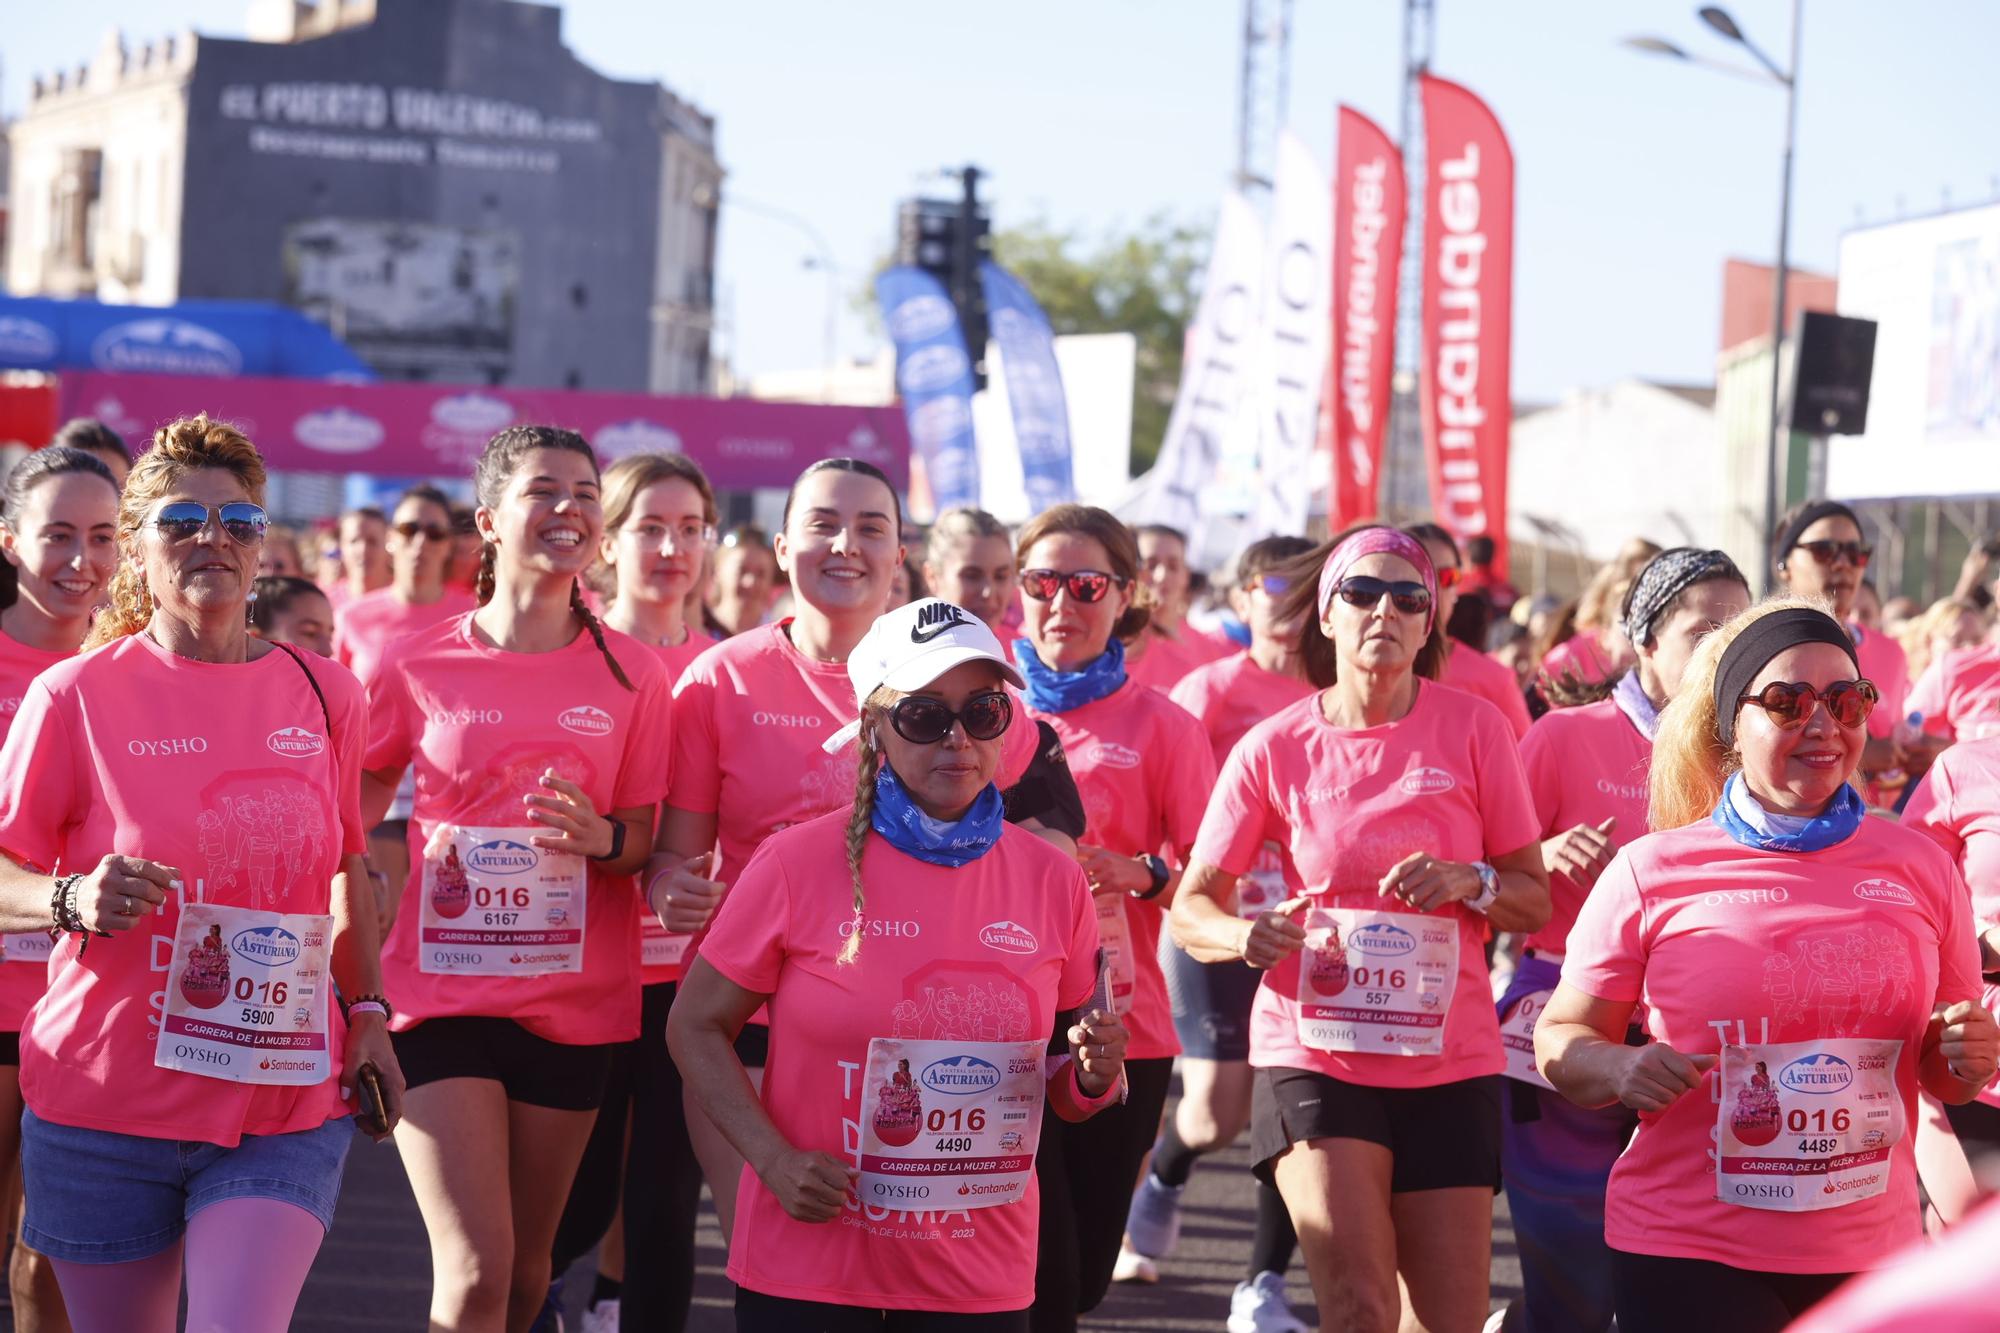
x,y
821,259
1718,19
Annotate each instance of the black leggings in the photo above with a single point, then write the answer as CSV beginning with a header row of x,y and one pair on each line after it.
x,y
660,1184
758,1313
1658,1295
1086,1173
1977,1125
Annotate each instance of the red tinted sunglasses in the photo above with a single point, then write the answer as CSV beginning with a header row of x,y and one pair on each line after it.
x,y
1791,703
1083,585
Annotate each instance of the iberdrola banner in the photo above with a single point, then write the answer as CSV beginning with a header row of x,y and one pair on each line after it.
x,y
1369,211
1468,264
1034,387
934,376
1291,363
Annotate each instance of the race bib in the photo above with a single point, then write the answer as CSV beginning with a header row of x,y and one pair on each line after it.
x,y
29,946
656,947
246,996
1264,887
1376,983
495,905
1517,1037
1114,936
1806,1125
949,1124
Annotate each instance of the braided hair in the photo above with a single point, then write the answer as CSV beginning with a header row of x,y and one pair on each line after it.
x,y
867,768
498,462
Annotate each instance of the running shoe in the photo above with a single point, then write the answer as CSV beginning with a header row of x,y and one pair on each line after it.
x,y
601,1318
1153,1222
550,1317
1258,1306
1133,1267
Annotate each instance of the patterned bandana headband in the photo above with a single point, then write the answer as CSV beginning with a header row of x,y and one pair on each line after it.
x,y
1665,577
1378,541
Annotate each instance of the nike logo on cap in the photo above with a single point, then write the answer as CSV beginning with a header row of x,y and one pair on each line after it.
x,y
935,620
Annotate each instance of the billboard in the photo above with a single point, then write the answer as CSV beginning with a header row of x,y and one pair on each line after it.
x,y
1933,287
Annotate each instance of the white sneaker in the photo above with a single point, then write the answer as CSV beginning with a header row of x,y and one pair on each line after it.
x,y
1495,1321
601,1318
1258,1306
1134,1267
1153,1221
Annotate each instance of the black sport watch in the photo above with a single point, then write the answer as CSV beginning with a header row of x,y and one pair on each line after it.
x,y
1157,868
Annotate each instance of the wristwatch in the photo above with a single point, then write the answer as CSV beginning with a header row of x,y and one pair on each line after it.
x,y
1157,868
1489,888
617,842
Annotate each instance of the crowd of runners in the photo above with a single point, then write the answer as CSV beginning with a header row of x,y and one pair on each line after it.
x,y
882,881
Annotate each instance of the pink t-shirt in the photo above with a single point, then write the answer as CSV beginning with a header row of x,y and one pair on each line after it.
x,y
1143,767
1958,694
22,979
1883,661
364,626
1477,674
479,726
1347,805
1585,765
676,658
1164,662
1581,656
129,748
1957,804
929,969
1724,942
1233,694
1950,1286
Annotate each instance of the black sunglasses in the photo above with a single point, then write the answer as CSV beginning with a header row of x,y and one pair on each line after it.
x,y
1791,703
1826,552
1365,593
410,530
1083,585
184,520
925,721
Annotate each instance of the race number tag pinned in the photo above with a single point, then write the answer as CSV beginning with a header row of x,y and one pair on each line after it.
x,y
949,1124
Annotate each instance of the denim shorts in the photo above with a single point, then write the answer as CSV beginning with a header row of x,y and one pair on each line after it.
x,y
97,1197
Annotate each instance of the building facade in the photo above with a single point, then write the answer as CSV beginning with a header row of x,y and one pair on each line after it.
x,y
440,182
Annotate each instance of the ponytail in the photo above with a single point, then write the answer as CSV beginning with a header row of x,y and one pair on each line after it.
x,y
867,768
581,610
483,581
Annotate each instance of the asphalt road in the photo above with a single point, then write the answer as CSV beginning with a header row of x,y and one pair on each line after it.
x,y
374,1272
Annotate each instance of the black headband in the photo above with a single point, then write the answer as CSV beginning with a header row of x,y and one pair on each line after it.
x,y
1808,516
1752,650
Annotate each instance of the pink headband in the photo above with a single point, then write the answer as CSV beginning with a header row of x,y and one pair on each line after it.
x,y
1378,541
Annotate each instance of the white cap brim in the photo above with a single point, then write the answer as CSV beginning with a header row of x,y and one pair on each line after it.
x,y
920,671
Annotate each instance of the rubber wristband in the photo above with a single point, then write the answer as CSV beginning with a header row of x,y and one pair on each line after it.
x,y
1084,1101
368,1007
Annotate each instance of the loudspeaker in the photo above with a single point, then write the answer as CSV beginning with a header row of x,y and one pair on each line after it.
x,y
1836,359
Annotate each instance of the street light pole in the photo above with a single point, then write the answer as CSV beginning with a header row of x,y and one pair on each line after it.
x,y
1781,435
823,259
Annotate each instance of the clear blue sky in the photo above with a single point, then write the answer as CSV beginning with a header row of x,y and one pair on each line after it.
x,y
1637,176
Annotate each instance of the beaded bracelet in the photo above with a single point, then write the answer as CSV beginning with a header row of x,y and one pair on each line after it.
x,y
66,916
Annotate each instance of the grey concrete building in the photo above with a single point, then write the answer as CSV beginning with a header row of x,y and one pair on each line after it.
x,y
442,182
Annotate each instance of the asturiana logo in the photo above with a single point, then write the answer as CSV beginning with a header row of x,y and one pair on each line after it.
x,y
165,346
637,436
1383,940
922,316
1427,782
585,720
472,413
339,430
269,946
1113,755
929,369
503,857
27,340
1008,937
295,743
1884,891
1822,1073
960,1076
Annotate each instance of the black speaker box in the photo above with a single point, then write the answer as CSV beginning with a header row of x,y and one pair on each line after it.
x,y
1836,358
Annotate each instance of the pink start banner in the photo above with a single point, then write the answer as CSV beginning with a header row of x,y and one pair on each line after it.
x,y
426,430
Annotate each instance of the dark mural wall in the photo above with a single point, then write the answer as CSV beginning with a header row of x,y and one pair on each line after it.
x,y
447,188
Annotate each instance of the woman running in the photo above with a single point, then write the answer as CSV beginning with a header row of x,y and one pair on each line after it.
x,y
1466,668
59,533
659,525
1144,767
1742,927
1409,833
1587,765
1169,647
915,955
189,1106
539,740
1211,1001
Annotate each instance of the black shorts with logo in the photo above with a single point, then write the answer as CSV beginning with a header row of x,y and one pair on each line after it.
x,y
1441,1137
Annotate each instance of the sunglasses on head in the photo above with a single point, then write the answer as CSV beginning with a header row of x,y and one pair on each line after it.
x,y
409,531
1083,585
184,520
1791,703
1364,593
921,720
1827,552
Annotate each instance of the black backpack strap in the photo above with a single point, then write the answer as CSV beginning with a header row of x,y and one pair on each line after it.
x,y
313,681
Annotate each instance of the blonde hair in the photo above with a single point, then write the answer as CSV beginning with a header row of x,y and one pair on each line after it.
x,y
1690,765
1916,633
868,765
191,444
623,481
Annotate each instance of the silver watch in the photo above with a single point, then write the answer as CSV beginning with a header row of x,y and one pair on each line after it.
x,y
1489,888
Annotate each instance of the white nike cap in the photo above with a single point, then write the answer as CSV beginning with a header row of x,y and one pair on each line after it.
x,y
913,645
